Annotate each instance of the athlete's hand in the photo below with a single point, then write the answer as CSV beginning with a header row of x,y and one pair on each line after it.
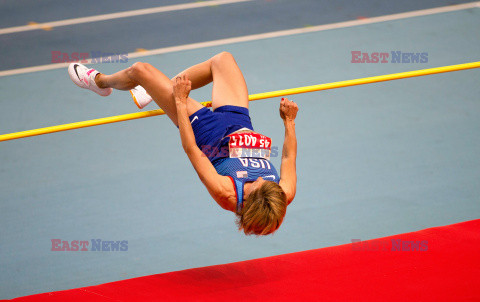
x,y
288,109
181,89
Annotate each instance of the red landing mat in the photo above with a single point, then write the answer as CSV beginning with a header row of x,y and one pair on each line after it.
x,y
437,264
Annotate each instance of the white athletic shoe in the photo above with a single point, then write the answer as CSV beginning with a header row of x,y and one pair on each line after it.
x,y
140,97
85,78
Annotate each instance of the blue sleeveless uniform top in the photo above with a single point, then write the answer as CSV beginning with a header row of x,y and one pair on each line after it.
x,y
242,170
211,129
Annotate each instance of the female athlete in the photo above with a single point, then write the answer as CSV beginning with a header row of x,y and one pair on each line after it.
x,y
230,158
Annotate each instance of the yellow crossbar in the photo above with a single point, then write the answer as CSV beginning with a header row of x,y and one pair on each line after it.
x,y
253,97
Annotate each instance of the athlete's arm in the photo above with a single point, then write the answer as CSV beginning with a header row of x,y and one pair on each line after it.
x,y
219,187
288,170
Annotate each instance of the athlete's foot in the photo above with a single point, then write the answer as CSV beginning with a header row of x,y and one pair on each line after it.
x,y
85,78
140,97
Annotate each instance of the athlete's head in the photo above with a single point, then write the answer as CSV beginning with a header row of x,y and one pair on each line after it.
x,y
263,209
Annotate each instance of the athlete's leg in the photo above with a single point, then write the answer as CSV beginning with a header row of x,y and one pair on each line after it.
x,y
229,87
200,74
158,85
119,80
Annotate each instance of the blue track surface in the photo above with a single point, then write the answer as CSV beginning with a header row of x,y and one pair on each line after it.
x,y
374,160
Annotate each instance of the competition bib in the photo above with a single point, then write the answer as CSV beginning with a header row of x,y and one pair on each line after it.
x,y
249,144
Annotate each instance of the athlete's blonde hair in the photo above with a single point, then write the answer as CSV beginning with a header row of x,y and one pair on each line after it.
x,y
263,210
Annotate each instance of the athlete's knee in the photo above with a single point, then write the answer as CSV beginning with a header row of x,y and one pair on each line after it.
x,y
223,58
138,70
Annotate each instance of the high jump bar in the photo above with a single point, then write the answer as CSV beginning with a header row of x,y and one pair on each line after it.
x,y
253,97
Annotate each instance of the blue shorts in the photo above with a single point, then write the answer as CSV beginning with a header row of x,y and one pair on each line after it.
x,y
211,128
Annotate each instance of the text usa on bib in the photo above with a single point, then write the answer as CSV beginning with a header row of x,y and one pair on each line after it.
x,y
249,144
